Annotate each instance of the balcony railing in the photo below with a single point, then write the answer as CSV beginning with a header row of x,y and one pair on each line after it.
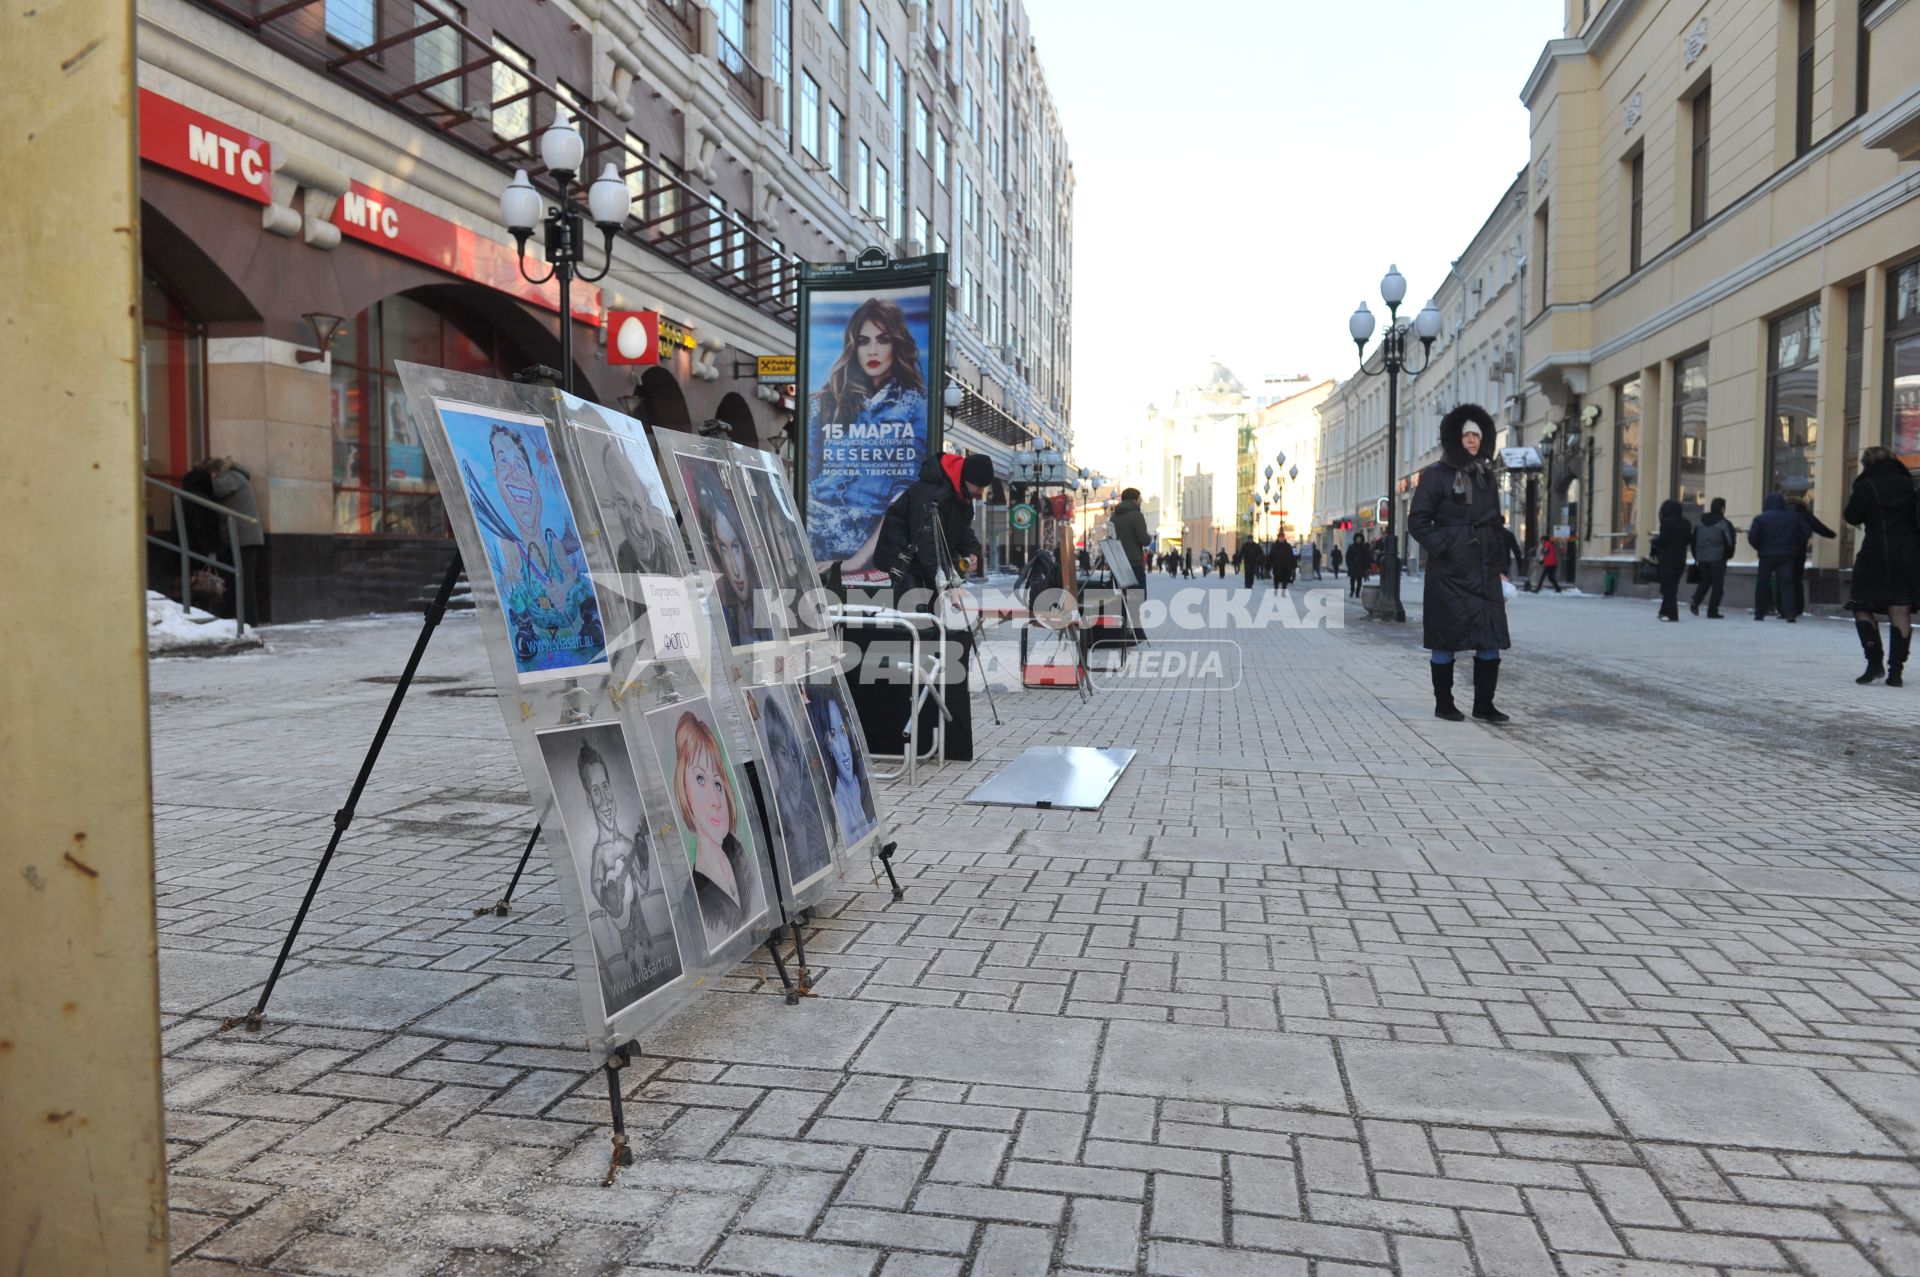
x,y
747,84
413,72
681,20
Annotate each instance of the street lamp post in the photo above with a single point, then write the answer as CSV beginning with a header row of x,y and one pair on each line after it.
x,y
1393,361
608,202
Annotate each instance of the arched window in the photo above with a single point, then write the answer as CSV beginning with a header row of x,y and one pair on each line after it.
x,y
382,485
173,383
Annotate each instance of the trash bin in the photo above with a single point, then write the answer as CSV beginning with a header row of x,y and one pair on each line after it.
x,y
1609,582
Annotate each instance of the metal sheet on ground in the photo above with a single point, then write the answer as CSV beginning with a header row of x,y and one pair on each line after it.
x,y
1072,776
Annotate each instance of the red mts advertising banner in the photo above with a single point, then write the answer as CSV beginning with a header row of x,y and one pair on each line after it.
x,y
182,139
374,217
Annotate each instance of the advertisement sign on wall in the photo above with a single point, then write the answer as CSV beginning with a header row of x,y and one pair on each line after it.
x,y
872,341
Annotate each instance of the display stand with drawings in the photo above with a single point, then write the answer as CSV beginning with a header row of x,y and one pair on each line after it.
x,y
744,526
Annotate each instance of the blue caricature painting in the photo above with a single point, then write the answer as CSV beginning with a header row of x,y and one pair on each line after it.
x,y
512,483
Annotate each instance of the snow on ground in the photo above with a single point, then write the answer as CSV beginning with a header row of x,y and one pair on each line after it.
x,y
173,628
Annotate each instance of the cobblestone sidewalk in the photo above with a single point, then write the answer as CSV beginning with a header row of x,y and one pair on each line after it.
x,y
1628,989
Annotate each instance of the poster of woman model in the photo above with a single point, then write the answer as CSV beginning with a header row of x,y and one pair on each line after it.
x,y
833,727
628,918
715,824
788,747
723,534
868,369
506,466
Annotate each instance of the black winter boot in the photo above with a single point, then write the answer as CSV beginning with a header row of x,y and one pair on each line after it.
x,y
1443,706
1486,679
1898,646
1869,632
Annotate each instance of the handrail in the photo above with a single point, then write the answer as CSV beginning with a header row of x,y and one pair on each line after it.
x,y
215,506
189,556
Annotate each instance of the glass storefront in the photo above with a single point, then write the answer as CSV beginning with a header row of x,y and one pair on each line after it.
x,y
1903,361
382,485
173,384
1690,432
1793,409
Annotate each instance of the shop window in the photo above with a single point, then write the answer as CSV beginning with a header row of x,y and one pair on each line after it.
x,y
1850,401
1903,361
437,55
1690,431
351,22
173,380
512,97
382,484
809,115
1793,421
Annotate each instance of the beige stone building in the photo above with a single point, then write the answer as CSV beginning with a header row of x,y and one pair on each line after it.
x,y
1289,427
1723,224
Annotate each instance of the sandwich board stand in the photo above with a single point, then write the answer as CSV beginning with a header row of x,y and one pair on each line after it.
x,y
671,848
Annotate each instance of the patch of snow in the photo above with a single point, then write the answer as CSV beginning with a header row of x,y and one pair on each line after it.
x,y
171,627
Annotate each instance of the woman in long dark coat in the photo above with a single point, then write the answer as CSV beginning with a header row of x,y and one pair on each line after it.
x,y
1670,552
1456,519
1886,572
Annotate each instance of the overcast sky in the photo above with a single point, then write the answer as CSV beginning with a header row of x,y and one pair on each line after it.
x,y
1247,171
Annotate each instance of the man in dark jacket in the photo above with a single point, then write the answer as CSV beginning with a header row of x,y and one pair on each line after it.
x,y
1251,561
1359,563
1130,526
1455,517
1670,546
1714,542
1779,537
929,528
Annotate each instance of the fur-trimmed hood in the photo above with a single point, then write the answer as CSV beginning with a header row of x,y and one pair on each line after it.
x,y
1453,425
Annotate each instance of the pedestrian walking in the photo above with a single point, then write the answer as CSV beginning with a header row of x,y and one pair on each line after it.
x,y
1335,560
1815,528
1779,537
1284,564
1359,563
1251,561
1516,557
1189,563
1455,517
1714,542
233,488
1550,565
1670,545
1886,571
1315,552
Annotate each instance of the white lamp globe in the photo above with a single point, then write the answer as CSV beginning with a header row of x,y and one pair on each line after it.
x,y
952,396
561,147
520,203
1393,287
1360,324
608,199
1427,323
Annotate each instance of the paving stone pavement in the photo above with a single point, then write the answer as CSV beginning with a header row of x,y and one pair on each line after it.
x,y
1628,988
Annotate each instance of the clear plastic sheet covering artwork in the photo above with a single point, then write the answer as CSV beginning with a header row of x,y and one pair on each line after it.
x,y
614,685
744,527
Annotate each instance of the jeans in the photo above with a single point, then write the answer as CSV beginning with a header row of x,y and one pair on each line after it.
x,y
1552,577
1712,587
1484,654
1773,587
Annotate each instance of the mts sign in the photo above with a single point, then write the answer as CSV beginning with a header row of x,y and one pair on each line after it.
x,y
368,211
227,155
203,148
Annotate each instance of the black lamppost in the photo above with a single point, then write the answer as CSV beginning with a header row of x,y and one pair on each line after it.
x,y
1393,361
608,202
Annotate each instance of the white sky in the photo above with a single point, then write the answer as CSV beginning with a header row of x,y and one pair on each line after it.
x,y
1246,172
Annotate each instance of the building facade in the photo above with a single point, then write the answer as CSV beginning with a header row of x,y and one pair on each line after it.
x,y
1723,223
340,162
1481,302
1286,439
1191,462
